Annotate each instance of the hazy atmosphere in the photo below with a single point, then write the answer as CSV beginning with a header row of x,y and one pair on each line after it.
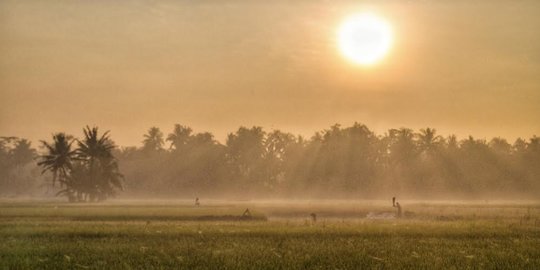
x,y
463,67
287,134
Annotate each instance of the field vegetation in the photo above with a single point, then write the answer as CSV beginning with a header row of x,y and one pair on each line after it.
x,y
281,235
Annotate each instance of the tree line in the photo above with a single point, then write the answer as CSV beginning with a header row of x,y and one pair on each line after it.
x,y
338,162
84,170
17,169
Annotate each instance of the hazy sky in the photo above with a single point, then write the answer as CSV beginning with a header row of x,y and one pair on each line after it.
x,y
464,67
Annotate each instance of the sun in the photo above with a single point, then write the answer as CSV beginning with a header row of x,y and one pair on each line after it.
x,y
365,38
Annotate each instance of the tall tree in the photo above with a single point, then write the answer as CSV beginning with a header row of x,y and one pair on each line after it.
x,y
401,145
277,149
23,152
153,140
245,152
58,158
428,140
179,137
96,152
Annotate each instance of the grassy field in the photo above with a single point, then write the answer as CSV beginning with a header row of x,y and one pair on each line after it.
x,y
281,235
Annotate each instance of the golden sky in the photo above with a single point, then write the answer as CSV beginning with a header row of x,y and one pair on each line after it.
x,y
463,67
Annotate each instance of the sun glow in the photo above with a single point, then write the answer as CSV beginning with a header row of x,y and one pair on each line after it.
x,y
365,38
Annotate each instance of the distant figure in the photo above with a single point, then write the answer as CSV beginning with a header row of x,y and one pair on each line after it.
x,y
313,217
197,203
246,213
398,210
396,204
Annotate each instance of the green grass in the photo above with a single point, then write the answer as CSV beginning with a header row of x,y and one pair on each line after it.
x,y
150,235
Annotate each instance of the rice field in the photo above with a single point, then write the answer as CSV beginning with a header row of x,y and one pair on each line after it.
x,y
277,235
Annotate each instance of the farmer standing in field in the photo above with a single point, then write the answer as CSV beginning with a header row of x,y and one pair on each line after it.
x,y
398,206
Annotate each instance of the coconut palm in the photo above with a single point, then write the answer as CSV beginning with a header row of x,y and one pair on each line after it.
x,y
75,187
401,144
153,141
109,178
428,140
94,147
179,137
23,152
96,152
58,158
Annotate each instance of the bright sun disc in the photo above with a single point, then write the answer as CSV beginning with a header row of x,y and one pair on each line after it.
x,y
364,38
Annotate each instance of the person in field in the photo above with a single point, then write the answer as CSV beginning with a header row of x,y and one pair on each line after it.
x,y
398,206
197,203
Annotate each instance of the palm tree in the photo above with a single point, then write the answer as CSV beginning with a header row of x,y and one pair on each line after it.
x,y
428,140
96,151
77,181
401,144
93,147
179,137
452,142
59,157
89,172
109,179
153,141
23,152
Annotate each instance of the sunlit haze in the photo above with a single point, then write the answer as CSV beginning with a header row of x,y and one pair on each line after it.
x,y
364,38
286,134
463,67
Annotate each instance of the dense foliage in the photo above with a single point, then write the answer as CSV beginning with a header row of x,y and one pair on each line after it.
x,y
339,162
350,162
17,169
87,173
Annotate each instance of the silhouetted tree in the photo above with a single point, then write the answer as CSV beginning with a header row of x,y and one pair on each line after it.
x,y
58,158
180,136
153,140
428,141
245,150
23,152
401,159
89,172
15,157
277,151
102,169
